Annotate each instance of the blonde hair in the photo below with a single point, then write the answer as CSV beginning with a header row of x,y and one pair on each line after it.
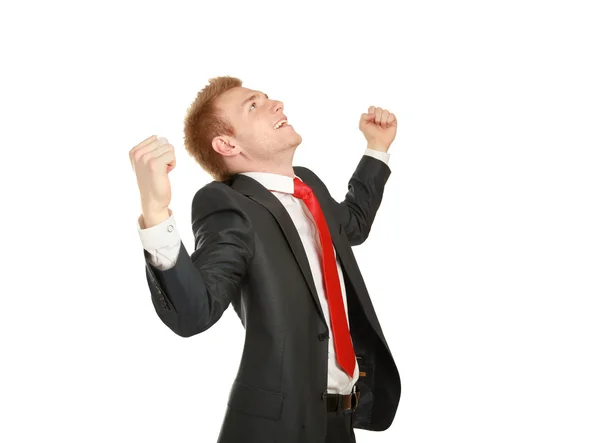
x,y
203,122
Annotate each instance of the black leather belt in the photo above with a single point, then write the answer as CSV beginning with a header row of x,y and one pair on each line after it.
x,y
342,401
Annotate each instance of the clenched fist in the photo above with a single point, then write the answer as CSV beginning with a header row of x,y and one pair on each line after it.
x,y
379,128
151,161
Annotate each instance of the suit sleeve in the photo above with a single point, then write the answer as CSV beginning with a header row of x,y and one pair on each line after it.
x,y
192,295
357,211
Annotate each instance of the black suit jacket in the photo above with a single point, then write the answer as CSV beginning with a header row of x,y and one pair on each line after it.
x,y
248,254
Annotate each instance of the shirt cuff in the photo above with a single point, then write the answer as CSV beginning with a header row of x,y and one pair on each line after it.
x,y
162,235
383,156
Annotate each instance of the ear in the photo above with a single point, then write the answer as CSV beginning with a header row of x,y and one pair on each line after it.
x,y
225,146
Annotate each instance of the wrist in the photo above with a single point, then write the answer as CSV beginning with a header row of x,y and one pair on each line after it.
x,y
153,218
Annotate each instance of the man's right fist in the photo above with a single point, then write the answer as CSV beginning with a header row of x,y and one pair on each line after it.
x,y
151,161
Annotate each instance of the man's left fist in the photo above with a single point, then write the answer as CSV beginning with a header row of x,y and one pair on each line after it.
x,y
379,128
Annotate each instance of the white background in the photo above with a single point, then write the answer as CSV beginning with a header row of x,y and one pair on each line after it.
x,y
483,263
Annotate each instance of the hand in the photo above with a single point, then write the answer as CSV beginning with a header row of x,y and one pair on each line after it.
x,y
379,128
151,161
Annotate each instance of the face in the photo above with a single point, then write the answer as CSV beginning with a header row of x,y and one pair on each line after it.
x,y
254,116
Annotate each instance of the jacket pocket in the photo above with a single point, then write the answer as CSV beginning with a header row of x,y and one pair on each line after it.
x,y
366,384
255,401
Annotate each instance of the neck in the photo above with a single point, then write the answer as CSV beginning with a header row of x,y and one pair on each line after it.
x,y
281,165
275,169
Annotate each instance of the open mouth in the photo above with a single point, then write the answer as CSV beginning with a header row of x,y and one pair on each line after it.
x,y
281,124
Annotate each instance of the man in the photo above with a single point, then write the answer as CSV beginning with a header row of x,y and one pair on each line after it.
x,y
270,240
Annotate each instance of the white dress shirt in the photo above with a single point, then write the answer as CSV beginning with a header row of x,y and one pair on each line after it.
x,y
162,241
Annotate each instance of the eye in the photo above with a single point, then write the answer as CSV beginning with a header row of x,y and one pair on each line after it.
x,y
253,104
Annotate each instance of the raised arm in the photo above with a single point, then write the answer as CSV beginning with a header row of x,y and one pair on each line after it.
x,y
356,212
365,188
191,294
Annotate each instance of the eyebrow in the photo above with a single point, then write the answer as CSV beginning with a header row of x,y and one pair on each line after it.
x,y
252,97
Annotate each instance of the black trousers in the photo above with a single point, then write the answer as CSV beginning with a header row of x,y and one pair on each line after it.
x,y
339,427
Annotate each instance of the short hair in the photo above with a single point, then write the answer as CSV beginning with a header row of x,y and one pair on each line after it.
x,y
203,122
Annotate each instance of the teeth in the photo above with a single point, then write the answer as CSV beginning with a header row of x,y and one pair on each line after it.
x,y
278,125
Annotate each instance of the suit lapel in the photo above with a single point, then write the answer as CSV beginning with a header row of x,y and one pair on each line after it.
x,y
257,192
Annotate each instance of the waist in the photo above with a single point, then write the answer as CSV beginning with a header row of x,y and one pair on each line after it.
x,y
342,402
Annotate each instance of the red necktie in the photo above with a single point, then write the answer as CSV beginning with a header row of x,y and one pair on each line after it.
x,y
341,335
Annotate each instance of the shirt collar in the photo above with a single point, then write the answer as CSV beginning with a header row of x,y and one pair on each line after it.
x,y
273,182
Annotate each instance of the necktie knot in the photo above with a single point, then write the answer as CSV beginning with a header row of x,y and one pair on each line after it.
x,y
301,189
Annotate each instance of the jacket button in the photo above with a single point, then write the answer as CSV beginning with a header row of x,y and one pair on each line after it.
x,y
323,335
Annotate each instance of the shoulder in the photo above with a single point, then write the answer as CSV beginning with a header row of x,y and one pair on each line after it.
x,y
218,201
310,178
216,192
216,207
302,171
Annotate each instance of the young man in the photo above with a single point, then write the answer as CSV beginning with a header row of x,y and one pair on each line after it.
x,y
272,242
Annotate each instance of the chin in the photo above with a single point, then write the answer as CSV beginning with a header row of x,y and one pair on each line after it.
x,y
297,139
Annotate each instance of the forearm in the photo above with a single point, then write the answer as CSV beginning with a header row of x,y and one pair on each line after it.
x,y
365,192
180,296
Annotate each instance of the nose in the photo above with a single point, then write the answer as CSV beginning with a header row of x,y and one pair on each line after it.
x,y
277,106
